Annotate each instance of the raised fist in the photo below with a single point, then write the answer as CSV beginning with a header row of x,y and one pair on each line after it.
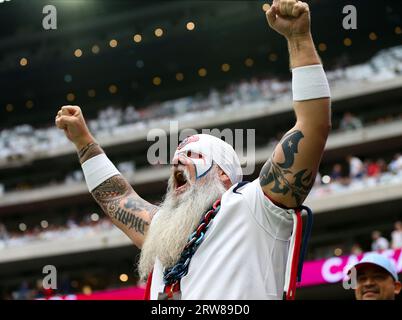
x,y
71,120
290,18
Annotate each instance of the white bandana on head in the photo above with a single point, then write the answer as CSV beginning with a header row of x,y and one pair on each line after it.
x,y
203,150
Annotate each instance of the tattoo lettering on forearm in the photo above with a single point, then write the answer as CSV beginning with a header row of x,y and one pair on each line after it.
x,y
120,202
280,174
130,220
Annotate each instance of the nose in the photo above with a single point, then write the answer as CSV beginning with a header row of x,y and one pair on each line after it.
x,y
179,159
368,282
177,162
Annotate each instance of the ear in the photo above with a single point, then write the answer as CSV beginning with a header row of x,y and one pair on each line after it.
x,y
224,178
398,287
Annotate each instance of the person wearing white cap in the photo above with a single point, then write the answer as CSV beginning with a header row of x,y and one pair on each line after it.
x,y
214,236
376,278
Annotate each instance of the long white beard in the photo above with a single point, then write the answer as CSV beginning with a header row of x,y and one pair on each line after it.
x,y
176,219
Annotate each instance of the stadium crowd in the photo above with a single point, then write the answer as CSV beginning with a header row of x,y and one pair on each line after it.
x,y
28,142
349,121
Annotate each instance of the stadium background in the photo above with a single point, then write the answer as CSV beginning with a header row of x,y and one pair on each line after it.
x,y
133,66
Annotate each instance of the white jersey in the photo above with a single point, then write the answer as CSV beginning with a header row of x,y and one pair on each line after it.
x,y
244,252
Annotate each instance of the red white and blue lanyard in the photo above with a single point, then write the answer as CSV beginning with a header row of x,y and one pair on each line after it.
x,y
297,251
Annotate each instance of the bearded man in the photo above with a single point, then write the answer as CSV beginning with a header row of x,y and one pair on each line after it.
x,y
214,236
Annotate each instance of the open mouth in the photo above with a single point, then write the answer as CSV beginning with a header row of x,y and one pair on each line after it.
x,y
180,180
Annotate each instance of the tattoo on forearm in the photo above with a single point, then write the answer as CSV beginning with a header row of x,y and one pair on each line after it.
x,y
130,220
120,202
280,174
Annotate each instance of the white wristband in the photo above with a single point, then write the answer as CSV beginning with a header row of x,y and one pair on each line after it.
x,y
310,82
97,170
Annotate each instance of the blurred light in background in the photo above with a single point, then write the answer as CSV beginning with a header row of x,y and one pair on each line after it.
x,y
249,62
68,78
112,89
95,217
398,30
326,179
190,26
9,107
95,49
139,64
373,36
91,93
225,67
29,104
265,7
158,32
273,57
23,62
179,76
338,252
22,227
347,42
87,290
137,38
78,53
113,43
70,97
322,47
44,224
202,72
123,277
156,81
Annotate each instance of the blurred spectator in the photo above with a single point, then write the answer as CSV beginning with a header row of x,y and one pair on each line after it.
x,y
396,236
4,236
356,167
396,164
23,292
336,173
382,165
71,221
356,249
379,242
126,168
350,122
372,168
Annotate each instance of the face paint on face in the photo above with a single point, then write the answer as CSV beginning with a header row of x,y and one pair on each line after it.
x,y
202,163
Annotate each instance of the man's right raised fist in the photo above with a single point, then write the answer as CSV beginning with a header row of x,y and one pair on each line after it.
x,y
71,120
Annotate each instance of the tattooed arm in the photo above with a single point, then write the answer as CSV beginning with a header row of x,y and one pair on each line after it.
x,y
127,210
288,176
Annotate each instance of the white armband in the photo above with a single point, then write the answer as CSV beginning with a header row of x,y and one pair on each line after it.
x,y
310,82
97,170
